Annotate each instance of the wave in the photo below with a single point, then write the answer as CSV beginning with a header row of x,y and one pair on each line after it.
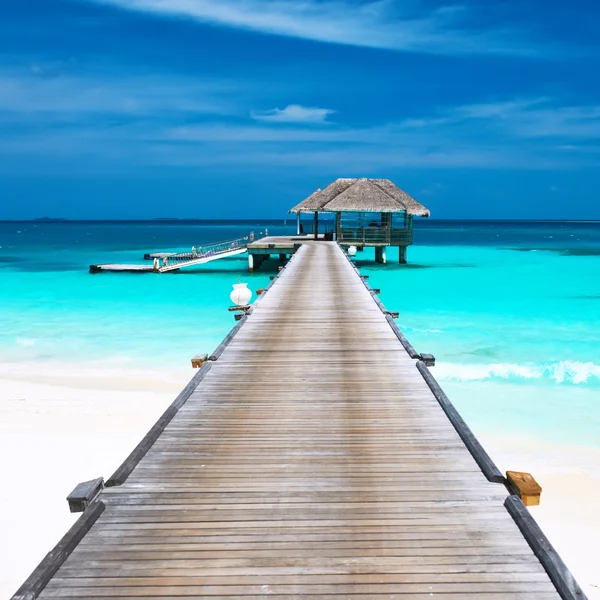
x,y
566,371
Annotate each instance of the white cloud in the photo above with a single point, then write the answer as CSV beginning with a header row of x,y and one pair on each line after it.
x,y
294,113
375,24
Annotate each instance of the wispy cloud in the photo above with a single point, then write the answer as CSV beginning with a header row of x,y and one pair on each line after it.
x,y
526,118
294,113
147,122
383,24
131,95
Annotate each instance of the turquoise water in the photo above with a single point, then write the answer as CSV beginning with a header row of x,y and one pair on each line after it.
x,y
510,310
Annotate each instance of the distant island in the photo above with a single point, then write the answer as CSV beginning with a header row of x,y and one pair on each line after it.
x,y
49,219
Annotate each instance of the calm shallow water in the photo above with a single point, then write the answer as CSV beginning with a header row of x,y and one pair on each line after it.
x,y
511,310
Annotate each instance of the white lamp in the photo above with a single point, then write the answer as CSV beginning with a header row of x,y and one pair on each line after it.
x,y
241,294
352,251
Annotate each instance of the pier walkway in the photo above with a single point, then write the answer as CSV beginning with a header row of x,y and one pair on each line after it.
x,y
309,459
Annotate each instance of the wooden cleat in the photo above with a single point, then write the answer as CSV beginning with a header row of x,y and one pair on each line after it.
x,y
84,493
376,291
524,486
259,291
428,359
239,316
199,360
394,314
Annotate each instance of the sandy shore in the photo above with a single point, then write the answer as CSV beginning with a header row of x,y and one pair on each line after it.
x,y
51,438
59,431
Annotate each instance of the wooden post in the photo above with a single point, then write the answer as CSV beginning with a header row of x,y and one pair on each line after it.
x,y
297,223
199,360
380,254
402,255
83,495
525,486
316,225
282,257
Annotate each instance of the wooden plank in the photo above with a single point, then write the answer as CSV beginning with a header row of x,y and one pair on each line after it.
x,y
122,473
487,465
558,572
52,562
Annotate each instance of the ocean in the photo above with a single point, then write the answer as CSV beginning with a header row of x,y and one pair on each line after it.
x,y
511,310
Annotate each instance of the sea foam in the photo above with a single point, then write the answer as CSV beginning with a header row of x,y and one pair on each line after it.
x,y
561,372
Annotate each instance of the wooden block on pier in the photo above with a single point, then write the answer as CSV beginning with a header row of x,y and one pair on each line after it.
x,y
199,360
84,493
525,486
428,359
238,317
376,291
259,291
243,307
393,314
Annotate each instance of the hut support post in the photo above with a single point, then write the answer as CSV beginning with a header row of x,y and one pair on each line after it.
x,y
402,254
380,254
297,223
316,225
250,262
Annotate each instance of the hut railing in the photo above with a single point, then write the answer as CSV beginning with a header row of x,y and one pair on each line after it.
x,y
380,236
377,229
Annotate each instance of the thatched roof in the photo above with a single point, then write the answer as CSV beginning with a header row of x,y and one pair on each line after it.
x,y
361,195
317,200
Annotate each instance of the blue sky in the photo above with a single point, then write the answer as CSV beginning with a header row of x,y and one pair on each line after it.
x,y
225,108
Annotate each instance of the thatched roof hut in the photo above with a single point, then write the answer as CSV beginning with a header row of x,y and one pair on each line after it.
x,y
361,195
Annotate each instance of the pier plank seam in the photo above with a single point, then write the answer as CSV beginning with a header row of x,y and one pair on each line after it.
x,y
312,461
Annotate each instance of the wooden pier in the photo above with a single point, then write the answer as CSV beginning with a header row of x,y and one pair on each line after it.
x,y
315,457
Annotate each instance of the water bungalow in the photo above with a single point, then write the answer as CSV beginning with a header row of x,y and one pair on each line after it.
x,y
368,212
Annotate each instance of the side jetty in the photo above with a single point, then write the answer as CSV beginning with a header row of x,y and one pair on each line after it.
x,y
166,262
313,456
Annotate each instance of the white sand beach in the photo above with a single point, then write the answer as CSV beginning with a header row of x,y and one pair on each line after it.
x,y
59,431
55,435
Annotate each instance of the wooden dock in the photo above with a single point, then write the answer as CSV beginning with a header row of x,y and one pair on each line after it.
x,y
311,458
